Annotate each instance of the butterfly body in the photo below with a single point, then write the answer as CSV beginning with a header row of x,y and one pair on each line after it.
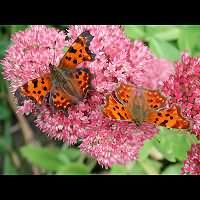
x,y
66,84
140,105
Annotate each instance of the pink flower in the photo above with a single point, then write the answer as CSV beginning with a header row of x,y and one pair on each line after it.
x,y
116,142
120,60
117,60
30,54
192,164
183,88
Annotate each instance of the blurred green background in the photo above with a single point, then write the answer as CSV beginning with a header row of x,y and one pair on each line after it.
x,y
25,150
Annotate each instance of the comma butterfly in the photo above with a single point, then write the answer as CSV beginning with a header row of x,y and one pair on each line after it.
x,y
141,105
65,85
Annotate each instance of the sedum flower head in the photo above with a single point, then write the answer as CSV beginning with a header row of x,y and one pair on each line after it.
x,y
117,60
183,88
192,164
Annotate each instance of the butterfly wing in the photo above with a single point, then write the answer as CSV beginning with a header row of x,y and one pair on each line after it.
x,y
118,105
35,89
61,100
168,117
81,79
76,82
116,110
154,99
124,93
134,100
70,90
142,105
78,51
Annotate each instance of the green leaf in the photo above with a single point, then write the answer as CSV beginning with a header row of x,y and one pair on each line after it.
x,y
132,168
5,112
150,166
164,49
3,145
46,158
5,42
146,149
16,28
189,38
73,169
173,169
139,167
9,169
71,153
134,32
196,53
166,33
174,143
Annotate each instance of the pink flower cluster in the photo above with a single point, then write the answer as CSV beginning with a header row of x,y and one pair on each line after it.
x,y
192,164
117,60
30,54
183,88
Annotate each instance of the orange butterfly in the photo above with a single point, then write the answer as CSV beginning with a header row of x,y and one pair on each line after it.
x,y
141,105
65,85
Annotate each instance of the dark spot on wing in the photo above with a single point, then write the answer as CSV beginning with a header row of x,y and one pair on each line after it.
x,y
164,123
121,117
75,61
25,87
77,76
72,50
78,40
45,88
35,83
